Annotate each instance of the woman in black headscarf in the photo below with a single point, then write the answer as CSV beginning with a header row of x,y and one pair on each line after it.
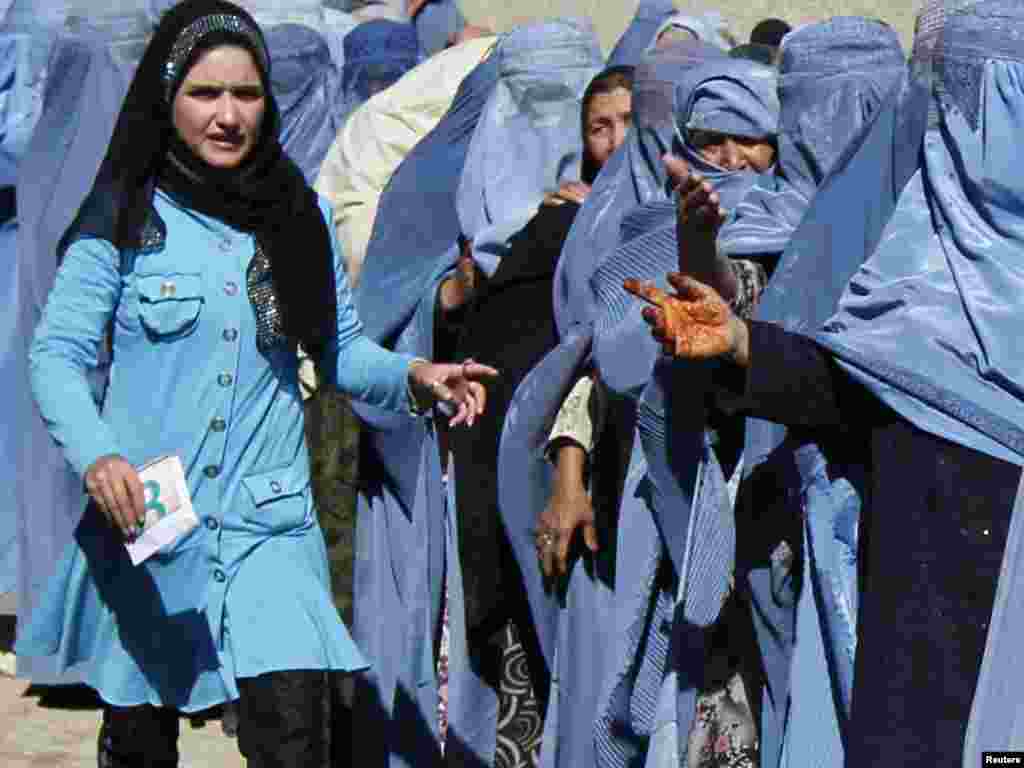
x,y
203,258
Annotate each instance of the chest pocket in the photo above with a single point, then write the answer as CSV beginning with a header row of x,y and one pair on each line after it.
x,y
169,304
278,498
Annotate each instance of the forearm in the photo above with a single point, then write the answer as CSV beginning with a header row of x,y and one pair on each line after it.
x,y
570,468
785,377
367,372
65,348
363,369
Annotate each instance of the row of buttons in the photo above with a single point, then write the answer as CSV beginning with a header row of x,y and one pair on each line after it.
x,y
218,424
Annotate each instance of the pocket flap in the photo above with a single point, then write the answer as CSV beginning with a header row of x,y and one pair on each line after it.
x,y
277,483
170,287
169,303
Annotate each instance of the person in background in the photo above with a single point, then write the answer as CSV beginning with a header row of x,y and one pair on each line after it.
x,y
400,517
510,318
204,257
533,116
695,707
834,77
766,39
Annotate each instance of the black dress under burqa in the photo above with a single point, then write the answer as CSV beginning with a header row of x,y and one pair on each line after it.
x,y
510,325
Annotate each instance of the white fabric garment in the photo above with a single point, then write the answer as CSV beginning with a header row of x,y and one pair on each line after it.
x,y
379,134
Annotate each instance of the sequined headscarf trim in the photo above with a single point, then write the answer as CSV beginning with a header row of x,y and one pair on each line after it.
x,y
190,37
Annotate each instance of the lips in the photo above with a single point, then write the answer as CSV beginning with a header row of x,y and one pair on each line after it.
x,y
227,142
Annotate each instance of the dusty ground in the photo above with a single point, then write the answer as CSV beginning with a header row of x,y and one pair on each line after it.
x,y
54,729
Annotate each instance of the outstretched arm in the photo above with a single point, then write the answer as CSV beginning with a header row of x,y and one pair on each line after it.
x,y
699,217
789,379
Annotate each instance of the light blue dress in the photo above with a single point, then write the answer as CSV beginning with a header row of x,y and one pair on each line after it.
x,y
247,592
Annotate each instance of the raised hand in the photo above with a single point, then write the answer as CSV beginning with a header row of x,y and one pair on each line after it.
x,y
699,217
458,384
694,323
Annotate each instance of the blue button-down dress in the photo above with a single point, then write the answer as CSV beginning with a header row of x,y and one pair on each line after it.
x,y
247,592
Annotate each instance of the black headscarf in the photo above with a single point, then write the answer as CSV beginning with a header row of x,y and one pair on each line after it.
x,y
266,196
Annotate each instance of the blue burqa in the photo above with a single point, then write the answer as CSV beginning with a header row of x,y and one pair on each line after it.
x,y
400,530
685,493
833,77
377,54
631,175
81,100
307,87
528,139
638,37
926,322
23,56
630,659
437,23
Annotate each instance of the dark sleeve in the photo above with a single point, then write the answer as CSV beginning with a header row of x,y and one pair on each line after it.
x,y
793,381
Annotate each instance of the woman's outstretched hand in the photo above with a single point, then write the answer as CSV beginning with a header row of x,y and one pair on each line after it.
x,y
694,323
458,384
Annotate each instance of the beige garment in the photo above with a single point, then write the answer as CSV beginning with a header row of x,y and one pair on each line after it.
x,y
372,143
574,421
379,134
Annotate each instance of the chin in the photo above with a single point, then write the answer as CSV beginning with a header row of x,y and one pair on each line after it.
x,y
218,158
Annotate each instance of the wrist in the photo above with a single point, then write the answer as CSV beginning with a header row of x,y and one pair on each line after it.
x,y
420,396
739,352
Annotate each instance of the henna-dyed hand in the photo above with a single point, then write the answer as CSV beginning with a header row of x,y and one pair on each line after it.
x,y
694,323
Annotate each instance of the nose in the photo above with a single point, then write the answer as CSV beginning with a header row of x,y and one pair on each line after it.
x,y
227,110
619,134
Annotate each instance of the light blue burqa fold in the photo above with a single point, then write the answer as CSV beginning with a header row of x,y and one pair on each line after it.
x,y
401,526
528,140
81,100
833,77
927,322
23,58
307,86
632,174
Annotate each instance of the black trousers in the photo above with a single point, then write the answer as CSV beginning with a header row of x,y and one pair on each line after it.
x,y
293,719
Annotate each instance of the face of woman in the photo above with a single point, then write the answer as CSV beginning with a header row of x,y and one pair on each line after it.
x,y
609,116
219,108
733,153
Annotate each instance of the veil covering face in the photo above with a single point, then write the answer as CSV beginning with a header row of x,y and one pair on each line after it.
x,y
533,116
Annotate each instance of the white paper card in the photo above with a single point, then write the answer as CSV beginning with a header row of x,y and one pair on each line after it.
x,y
169,512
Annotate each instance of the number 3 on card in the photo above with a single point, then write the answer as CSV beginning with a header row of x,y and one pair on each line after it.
x,y
152,489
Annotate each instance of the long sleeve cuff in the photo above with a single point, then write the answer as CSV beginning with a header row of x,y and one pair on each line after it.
x,y
574,421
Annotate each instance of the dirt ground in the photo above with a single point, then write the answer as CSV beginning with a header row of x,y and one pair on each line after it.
x,y
56,728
